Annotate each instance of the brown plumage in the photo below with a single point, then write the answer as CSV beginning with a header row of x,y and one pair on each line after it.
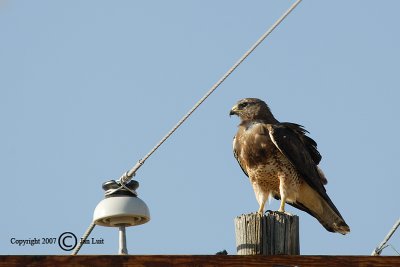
x,y
282,161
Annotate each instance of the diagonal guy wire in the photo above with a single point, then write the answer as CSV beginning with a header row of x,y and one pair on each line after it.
x,y
125,178
378,250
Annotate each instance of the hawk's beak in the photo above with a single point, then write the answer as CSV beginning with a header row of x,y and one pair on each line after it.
x,y
233,111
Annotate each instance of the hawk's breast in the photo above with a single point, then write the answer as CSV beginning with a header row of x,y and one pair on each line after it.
x,y
264,163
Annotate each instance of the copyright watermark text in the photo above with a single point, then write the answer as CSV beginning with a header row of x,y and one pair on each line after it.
x,y
67,241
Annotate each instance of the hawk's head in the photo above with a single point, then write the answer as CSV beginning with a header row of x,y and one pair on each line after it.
x,y
252,109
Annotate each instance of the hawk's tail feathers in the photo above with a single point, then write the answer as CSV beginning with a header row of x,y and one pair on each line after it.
x,y
311,202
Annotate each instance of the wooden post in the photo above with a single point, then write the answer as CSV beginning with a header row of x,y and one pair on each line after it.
x,y
273,234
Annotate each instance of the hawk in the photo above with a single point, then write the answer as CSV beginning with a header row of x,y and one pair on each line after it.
x,y
282,161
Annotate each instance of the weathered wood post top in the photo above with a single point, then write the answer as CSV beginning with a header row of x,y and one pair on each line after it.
x,y
275,233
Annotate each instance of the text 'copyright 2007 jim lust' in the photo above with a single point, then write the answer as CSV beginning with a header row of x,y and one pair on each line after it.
x,y
66,241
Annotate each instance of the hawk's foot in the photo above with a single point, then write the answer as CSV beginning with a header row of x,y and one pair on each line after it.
x,y
284,212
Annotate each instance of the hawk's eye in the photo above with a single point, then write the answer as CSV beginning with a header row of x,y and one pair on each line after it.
x,y
242,105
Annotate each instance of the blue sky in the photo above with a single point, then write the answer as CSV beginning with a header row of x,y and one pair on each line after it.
x,y
87,88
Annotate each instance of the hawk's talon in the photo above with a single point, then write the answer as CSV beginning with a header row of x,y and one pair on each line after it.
x,y
284,212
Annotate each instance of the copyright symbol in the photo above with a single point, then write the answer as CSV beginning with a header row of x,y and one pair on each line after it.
x,y
67,241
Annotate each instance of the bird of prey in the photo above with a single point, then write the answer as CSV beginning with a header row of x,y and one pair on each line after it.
x,y
282,161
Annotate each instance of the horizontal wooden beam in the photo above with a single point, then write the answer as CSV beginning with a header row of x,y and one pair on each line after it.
x,y
191,260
